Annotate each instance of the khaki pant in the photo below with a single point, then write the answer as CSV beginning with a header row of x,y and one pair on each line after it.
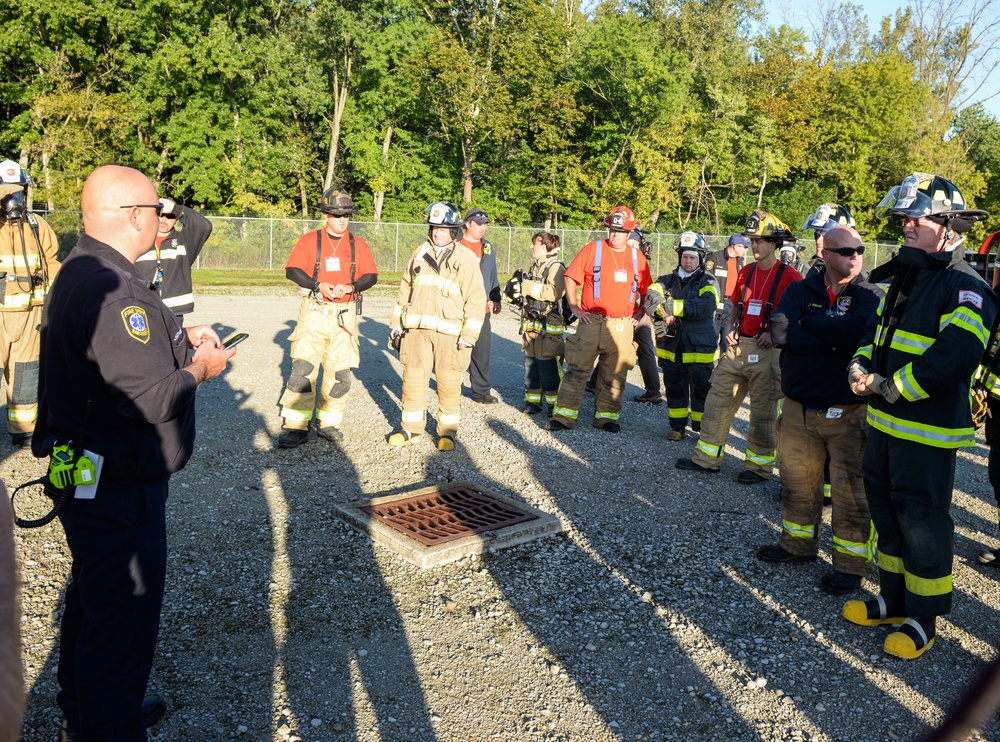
x,y
325,336
19,348
420,352
806,438
609,340
746,367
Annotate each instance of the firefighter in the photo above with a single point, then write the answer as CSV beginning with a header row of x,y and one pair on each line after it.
x,y
28,263
789,255
725,265
437,319
614,276
479,367
825,218
751,363
816,324
541,290
332,267
916,361
682,306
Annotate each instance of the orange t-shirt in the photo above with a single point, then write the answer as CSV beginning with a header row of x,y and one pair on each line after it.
x,y
758,292
335,259
617,277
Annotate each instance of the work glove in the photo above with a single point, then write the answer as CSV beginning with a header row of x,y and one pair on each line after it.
x,y
668,306
660,328
884,386
980,408
857,373
395,336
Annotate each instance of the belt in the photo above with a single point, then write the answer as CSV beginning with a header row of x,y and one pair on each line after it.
x,y
329,309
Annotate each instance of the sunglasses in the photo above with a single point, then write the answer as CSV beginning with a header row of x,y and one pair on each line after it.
x,y
847,252
158,207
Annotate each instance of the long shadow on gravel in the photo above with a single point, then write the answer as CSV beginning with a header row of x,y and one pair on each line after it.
x,y
346,660
662,616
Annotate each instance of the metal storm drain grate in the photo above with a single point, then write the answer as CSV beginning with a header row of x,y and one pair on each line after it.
x,y
441,524
447,514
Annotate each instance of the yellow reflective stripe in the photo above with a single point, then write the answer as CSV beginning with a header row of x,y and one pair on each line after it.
x,y
663,353
797,530
531,325
710,289
566,412
968,320
853,548
551,399
532,397
677,412
471,323
13,262
864,352
907,384
22,415
761,459
432,279
331,418
448,419
678,307
656,287
302,416
827,489
432,322
20,301
700,357
708,450
413,416
910,342
607,415
927,586
891,564
177,301
929,435
696,416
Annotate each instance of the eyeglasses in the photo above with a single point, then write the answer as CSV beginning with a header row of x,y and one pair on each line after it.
x,y
158,207
847,252
168,216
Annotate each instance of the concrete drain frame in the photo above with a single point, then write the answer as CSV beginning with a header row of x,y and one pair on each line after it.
x,y
517,522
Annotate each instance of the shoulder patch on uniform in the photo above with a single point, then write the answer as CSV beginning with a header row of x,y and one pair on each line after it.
x,y
970,297
136,324
843,303
709,265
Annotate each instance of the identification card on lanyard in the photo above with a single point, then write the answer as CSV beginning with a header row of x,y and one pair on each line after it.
x,y
755,307
332,264
621,277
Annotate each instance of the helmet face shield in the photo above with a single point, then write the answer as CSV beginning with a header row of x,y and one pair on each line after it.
x,y
905,201
443,214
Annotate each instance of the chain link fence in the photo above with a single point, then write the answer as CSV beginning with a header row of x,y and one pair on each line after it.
x,y
253,243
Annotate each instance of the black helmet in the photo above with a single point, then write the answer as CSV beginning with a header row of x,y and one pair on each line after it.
x,y
336,202
937,198
828,216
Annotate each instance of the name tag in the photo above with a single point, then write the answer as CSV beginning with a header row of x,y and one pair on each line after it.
x,y
755,307
834,413
621,277
332,265
753,358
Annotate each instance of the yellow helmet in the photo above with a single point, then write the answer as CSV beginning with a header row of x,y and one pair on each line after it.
x,y
766,226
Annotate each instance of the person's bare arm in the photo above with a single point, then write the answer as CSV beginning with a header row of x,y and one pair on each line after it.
x,y
11,679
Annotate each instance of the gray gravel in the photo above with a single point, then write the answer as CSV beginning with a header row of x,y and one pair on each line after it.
x,y
648,619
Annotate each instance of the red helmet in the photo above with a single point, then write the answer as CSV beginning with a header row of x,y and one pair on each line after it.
x,y
621,219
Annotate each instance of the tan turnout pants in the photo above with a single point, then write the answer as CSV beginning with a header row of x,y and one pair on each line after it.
x,y
325,336
746,367
806,436
420,352
19,347
609,340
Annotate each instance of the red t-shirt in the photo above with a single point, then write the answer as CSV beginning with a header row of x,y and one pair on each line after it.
x,y
334,260
758,294
617,276
732,272
476,247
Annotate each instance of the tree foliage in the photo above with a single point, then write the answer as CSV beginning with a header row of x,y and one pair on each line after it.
x,y
549,112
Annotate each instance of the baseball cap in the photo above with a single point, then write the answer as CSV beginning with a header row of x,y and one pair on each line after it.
x,y
478,216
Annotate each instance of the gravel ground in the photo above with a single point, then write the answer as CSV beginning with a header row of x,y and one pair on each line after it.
x,y
648,619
